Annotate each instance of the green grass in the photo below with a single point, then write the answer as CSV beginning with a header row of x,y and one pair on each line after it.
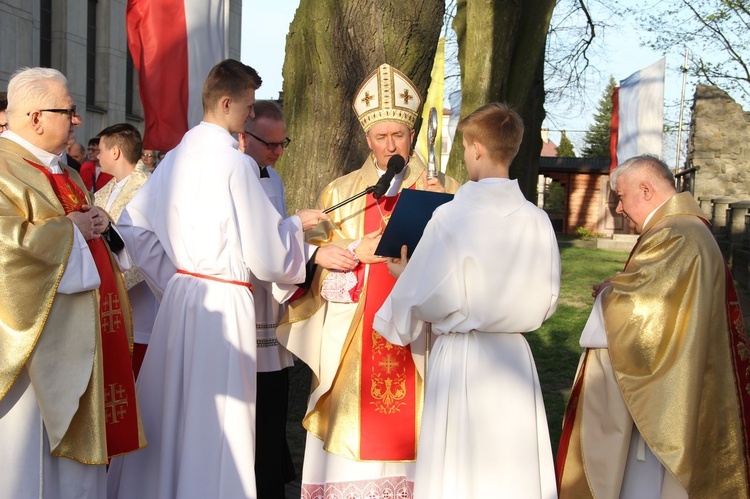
x,y
555,344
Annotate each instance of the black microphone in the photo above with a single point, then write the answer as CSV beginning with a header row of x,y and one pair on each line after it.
x,y
395,165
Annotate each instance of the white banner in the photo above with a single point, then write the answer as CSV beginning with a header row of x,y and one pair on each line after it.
x,y
641,113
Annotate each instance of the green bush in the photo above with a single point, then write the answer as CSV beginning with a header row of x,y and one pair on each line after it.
x,y
586,234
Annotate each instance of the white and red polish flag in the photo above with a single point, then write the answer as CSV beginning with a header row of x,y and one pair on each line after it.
x,y
174,44
640,120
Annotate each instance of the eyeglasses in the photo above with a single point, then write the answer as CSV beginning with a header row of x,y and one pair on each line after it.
x,y
148,155
70,112
271,145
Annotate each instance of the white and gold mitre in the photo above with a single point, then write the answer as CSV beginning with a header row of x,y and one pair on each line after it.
x,y
386,95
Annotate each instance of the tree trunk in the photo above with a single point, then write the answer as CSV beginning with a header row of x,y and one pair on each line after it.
x,y
331,46
501,45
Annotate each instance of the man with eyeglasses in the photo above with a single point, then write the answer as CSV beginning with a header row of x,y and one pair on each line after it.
x,y
264,140
67,395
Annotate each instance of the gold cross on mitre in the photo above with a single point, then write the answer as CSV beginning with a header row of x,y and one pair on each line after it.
x,y
406,96
367,98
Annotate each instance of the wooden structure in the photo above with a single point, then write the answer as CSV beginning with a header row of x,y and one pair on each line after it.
x,y
587,200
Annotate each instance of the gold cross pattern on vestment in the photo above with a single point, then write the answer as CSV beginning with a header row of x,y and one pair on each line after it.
x,y
110,313
115,403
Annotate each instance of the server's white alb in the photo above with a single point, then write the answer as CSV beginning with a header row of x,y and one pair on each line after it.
x,y
486,270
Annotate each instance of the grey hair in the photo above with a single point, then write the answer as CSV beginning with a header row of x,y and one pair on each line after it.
x,y
29,88
654,164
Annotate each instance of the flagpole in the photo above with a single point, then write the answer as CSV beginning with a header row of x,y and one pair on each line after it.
x,y
682,108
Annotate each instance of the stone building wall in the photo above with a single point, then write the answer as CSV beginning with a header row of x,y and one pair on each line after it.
x,y
719,144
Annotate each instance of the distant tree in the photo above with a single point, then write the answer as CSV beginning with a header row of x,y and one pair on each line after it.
x,y
597,138
565,149
715,31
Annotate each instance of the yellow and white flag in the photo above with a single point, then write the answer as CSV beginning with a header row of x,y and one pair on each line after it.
x,y
434,99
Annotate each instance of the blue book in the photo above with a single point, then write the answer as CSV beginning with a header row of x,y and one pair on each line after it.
x,y
410,216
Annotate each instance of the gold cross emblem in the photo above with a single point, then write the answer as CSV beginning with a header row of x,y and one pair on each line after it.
x,y
111,314
388,363
367,98
406,96
115,403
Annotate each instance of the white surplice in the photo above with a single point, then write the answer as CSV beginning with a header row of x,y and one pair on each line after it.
x,y
203,211
268,311
486,270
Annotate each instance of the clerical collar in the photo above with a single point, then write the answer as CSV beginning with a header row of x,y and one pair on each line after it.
x,y
264,172
645,222
121,183
49,160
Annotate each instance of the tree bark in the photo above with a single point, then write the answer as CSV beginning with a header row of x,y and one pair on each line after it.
x,y
331,46
501,54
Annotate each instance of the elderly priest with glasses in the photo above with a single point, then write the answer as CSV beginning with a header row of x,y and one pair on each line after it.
x,y
67,394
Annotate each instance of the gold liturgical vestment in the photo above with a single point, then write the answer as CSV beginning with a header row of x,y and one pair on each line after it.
x,y
137,178
336,418
678,362
61,330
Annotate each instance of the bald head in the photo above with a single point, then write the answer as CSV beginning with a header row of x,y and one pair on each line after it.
x,y
642,183
77,152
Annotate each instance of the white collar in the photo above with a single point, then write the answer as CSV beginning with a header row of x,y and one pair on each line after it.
x,y
645,222
49,160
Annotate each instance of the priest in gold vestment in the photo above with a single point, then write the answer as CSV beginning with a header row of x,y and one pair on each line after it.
x,y
659,405
66,387
365,407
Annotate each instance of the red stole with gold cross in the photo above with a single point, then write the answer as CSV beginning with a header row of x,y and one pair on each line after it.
x,y
388,412
121,412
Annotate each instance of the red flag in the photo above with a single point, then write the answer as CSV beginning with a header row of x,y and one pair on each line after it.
x,y
174,44
614,128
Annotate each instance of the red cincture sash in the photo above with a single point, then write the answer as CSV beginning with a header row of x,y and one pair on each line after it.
x,y
217,279
120,407
388,411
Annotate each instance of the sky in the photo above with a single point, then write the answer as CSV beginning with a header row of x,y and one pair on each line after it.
x,y
619,53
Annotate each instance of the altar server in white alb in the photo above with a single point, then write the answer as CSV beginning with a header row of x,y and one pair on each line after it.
x,y
486,270
196,230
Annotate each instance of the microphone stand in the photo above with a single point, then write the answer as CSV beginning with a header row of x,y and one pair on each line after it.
x,y
342,203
